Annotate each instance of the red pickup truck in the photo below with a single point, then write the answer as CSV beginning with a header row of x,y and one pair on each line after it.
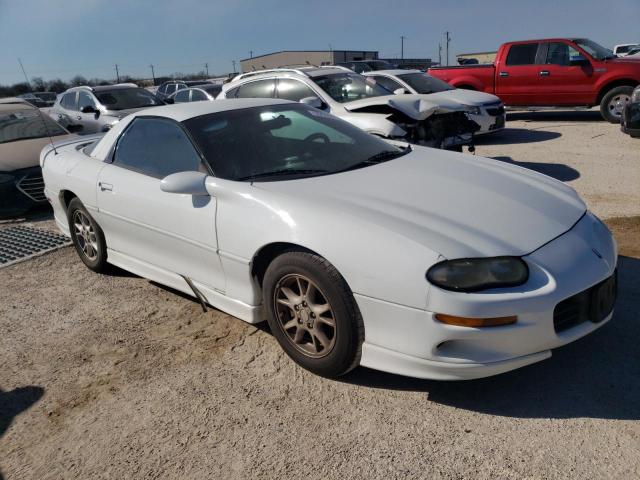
x,y
553,72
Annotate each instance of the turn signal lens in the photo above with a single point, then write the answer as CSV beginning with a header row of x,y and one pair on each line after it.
x,y
476,322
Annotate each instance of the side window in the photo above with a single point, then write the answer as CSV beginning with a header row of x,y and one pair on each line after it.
x,y
387,83
182,96
171,87
560,54
233,93
522,54
85,100
162,89
69,101
257,89
181,86
197,95
157,147
294,90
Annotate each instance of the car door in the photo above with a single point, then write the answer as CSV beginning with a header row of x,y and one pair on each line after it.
x,y
167,231
66,111
562,83
518,75
90,121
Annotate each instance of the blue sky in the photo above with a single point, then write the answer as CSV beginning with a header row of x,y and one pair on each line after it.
x,y
57,38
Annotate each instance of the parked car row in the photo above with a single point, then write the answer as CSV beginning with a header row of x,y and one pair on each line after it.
x,y
357,250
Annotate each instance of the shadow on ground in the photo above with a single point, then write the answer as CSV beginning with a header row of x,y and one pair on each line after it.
x,y
559,171
511,136
556,116
15,402
595,377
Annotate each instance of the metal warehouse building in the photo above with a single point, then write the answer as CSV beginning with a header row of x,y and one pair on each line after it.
x,y
304,57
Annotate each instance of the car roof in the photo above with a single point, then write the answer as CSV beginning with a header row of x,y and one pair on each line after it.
x,y
184,111
102,88
396,71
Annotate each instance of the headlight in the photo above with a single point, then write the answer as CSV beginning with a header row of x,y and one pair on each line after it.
x,y
6,178
470,109
474,274
635,96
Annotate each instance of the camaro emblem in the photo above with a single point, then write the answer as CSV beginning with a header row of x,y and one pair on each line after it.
x,y
598,254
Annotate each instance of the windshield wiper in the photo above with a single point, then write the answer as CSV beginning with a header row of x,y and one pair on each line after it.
x,y
380,157
284,171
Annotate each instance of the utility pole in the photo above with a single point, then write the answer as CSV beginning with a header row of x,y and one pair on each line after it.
x,y
117,74
448,39
24,73
153,74
402,37
206,66
439,53
234,65
250,53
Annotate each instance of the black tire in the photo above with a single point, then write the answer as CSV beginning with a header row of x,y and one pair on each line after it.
x,y
613,116
348,330
95,258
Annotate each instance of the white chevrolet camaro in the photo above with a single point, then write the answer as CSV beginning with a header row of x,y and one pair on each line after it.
x,y
357,251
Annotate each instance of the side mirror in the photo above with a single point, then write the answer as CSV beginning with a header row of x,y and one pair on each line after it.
x,y
399,91
579,61
89,109
314,102
187,183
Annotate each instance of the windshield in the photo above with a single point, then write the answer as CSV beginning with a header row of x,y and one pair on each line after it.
x,y
284,142
592,48
49,96
423,83
125,98
346,87
25,124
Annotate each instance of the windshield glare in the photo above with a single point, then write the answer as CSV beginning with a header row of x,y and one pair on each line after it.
x,y
592,48
25,124
347,87
283,142
125,98
423,83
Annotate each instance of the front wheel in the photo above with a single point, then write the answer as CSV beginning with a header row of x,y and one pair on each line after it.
x,y
613,103
312,313
87,237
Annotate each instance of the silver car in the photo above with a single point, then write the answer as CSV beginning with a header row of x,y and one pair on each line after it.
x,y
88,110
360,101
195,94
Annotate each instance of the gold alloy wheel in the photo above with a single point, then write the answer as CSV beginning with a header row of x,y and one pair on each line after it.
x,y
305,316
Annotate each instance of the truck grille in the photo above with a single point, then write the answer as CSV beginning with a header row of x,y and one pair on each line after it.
x,y
32,185
593,304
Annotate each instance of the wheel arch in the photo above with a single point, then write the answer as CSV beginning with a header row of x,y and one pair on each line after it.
x,y
269,252
620,82
65,198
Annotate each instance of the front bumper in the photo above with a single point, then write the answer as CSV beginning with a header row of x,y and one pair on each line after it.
x,y
630,123
410,341
23,191
492,118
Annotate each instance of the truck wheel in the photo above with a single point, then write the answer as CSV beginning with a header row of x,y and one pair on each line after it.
x,y
613,103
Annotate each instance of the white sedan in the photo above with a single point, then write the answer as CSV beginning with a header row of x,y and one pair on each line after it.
x,y
483,108
357,251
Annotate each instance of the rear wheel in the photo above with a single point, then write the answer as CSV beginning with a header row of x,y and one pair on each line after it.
x,y
87,237
312,313
613,103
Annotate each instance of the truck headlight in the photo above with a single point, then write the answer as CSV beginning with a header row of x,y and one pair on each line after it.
x,y
474,274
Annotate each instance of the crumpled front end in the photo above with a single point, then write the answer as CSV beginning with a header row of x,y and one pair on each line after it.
x,y
441,131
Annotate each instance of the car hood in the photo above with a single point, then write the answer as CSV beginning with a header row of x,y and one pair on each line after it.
x,y
416,106
24,153
457,205
465,97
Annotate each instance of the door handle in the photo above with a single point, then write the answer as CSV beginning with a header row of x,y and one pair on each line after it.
x,y
79,117
544,73
105,186
504,74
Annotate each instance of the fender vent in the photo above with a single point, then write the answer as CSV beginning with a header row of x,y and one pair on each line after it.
x,y
32,185
22,243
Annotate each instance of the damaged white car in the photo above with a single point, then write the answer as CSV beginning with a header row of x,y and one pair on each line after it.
x,y
337,90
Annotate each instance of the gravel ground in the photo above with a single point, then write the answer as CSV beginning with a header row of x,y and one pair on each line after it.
x,y
112,376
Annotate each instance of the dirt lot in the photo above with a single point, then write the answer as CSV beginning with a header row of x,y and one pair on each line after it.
x,y
116,377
